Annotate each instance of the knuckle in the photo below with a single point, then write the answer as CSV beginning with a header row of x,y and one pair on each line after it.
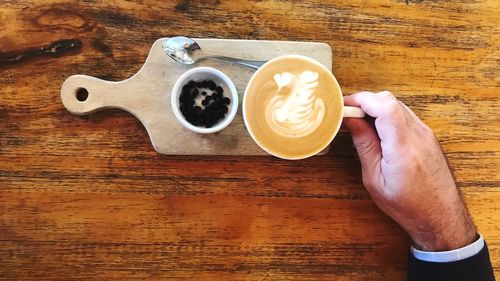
x,y
364,146
393,110
393,106
387,95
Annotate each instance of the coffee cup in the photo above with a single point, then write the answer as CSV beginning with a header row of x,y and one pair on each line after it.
x,y
293,107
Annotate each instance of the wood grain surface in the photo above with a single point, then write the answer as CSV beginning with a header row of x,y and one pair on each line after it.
x,y
87,198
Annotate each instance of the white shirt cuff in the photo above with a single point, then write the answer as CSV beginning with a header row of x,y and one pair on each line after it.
x,y
450,256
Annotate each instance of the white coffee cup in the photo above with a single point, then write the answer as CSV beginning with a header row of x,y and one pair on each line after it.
x,y
284,143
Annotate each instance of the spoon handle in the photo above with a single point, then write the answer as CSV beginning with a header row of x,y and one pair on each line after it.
x,y
250,63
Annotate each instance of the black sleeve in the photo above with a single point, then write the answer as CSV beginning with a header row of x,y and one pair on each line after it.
x,y
477,268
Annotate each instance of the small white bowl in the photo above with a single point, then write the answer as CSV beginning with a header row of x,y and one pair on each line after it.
x,y
199,74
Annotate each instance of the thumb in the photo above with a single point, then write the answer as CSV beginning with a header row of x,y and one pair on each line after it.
x,y
367,145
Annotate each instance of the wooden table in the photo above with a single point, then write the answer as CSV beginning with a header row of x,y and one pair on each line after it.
x,y
88,198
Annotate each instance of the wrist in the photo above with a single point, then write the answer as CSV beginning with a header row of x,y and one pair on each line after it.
x,y
448,238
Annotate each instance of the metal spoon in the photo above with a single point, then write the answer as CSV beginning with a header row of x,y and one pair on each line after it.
x,y
186,51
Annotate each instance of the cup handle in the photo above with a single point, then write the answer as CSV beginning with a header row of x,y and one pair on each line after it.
x,y
353,112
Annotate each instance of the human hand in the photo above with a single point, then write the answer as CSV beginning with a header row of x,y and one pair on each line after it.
x,y
406,173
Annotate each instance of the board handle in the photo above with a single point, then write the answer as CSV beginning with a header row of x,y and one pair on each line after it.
x,y
82,94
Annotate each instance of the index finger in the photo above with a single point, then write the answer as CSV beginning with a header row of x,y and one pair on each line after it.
x,y
390,120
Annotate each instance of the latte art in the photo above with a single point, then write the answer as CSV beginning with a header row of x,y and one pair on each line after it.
x,y
292,107
294,110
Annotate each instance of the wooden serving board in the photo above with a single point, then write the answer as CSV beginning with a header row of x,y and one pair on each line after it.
x,y
146,95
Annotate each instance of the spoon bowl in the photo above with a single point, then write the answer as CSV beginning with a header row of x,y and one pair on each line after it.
x,y
183,50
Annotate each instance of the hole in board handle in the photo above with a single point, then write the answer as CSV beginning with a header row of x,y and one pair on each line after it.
x,y
81,94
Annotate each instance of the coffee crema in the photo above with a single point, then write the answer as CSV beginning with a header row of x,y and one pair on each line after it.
x,y
293,109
